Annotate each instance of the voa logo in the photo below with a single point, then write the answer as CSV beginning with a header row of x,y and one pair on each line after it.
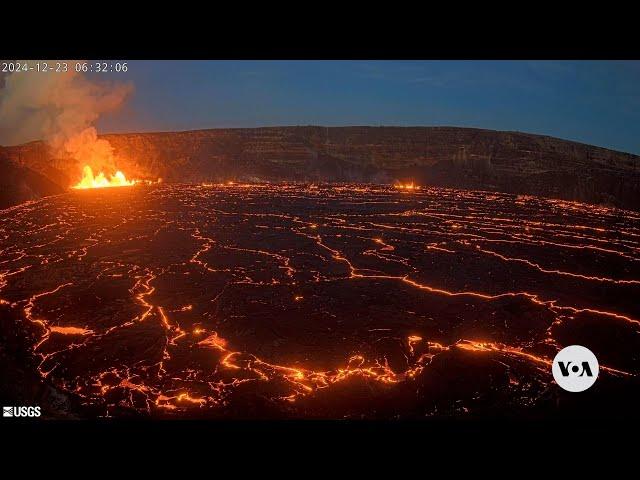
x,y
20,411
575,368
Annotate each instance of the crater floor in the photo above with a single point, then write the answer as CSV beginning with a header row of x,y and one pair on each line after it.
x,y
329,301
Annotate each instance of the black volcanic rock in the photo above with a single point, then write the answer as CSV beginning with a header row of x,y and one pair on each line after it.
x,y
441,156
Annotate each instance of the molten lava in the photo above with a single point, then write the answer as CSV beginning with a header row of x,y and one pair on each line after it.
x,y
406,186
101,181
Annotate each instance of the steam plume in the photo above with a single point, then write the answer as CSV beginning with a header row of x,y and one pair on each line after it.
x,y
60,108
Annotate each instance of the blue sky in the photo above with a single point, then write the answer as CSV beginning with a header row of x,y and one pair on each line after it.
x,y
587,101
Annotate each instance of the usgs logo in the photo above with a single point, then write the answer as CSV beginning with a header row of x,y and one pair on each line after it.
x,y
20,411
575,368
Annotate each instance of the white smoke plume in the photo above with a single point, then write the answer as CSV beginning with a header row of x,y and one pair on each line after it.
x,y
60,108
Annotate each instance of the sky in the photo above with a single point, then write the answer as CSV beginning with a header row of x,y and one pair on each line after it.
x,y
595,102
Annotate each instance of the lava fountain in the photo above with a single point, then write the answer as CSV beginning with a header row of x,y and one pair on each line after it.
x,y
406,186
101,181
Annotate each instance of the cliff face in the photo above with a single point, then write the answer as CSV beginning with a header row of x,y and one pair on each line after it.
x,y
443,156
19,184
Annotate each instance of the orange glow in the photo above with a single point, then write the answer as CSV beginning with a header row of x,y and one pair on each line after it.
x,y
71,330
476,346
412,340
185,397
214,341
406,186
101,181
